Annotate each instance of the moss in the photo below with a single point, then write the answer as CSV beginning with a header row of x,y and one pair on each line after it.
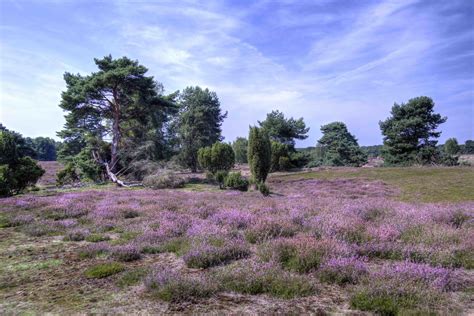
x,y
178,246
104,270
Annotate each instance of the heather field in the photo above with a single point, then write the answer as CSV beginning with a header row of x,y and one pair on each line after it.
x,y
387,240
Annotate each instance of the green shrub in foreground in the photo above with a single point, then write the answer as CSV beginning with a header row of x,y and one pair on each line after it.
x,y
104,270
250,278
234,180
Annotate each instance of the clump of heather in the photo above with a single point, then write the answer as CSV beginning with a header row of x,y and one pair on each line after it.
x,y
78,234
267,227
250,277
173,224
94,250
234,218
173,286
207,255
21,220
203,228
125,253
302,254
343,270
404,288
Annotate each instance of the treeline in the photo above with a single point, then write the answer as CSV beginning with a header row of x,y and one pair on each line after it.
x,y
39,148
120,123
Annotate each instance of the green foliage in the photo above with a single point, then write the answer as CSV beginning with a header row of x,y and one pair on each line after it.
x,y
220,177
410,133
339,147
279,151
104,270
468,147
269,281
218,157
259,154
381,303
117,100
284,130
17,172
44,147
234,180
240,146
166,180
67,175
199,123
451,147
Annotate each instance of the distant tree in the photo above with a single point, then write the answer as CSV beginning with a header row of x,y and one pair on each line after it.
x,y
218,157
240,146
284,130
259,154
372,151
109,102
280,157
199,123
339,147
468,147
45,148
17,171
410,133
451,147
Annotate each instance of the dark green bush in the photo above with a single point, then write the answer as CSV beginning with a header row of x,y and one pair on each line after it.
x,y
235,181
218,157
67,175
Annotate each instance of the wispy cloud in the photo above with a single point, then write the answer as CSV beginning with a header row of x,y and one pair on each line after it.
x,y
323,60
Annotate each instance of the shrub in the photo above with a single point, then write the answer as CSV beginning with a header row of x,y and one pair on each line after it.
x,y
77,235
343,270
206,256
256,278
259,154
218,157
235,181
279,153
267,228
220,177
104,270
94,250
67,175
163,181
16,177
175,287
458,218
284,163
125,253
263,188
300,255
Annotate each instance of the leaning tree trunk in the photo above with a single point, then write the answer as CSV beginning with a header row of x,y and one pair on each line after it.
x,y
116,133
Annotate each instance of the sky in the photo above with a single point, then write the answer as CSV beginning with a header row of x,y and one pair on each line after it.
x,y
321,60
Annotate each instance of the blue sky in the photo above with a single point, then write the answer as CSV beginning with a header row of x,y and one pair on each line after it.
x,y
322,60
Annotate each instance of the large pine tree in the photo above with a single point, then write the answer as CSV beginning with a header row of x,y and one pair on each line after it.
x,y
109,103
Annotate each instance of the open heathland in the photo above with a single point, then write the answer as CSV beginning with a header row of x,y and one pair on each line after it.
x,y
341,240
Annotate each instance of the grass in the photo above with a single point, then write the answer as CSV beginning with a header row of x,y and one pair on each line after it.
x,y
132,277
104,270
427,184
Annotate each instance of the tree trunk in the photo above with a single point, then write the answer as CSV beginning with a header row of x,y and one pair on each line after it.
x,y
116,133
